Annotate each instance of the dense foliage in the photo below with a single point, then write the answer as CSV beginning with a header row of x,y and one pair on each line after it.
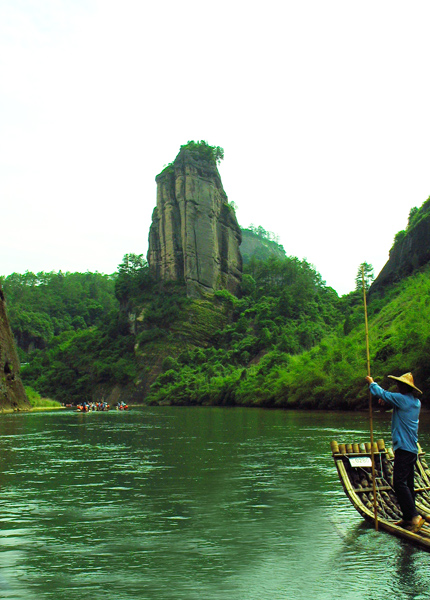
x,y
75,331
285,309
328,375
44,305
67,330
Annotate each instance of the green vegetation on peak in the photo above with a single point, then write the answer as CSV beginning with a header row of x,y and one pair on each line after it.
x,y
203,151
200,151
416,216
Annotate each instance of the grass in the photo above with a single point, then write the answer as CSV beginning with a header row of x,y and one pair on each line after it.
x,y
39,403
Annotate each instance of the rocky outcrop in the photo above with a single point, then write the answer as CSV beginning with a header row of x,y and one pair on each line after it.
x,y
12,393
411,251
194,235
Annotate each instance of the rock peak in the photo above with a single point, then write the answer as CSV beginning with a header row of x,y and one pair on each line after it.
x,y
411,250
194,235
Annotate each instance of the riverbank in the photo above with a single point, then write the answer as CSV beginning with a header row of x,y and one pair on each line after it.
x,y
8,411
36,408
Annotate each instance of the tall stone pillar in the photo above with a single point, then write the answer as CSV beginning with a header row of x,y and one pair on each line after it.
x,y
194,235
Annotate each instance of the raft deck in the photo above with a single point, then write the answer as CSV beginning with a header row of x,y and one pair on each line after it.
x,y
353,463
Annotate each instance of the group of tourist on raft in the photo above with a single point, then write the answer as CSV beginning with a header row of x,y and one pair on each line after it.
x,y
90,406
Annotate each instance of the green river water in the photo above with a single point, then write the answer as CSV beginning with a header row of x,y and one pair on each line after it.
x,y
192,504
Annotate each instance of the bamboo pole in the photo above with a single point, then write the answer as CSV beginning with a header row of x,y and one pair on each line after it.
x,y
372,451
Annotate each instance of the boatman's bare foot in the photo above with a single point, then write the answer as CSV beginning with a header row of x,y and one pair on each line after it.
x,y
417,523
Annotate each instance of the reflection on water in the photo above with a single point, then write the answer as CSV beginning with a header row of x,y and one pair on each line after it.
x,y
187,503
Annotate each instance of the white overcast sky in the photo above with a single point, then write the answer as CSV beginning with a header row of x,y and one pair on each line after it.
x,y
322,109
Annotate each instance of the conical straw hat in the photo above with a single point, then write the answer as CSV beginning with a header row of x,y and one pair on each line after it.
x,y
406,378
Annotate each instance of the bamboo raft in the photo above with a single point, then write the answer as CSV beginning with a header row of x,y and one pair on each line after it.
x,y
354,466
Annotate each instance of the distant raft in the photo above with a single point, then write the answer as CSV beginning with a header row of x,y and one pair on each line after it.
x,y
354,466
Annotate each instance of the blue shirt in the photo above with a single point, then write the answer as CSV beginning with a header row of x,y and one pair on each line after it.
x,y
405,419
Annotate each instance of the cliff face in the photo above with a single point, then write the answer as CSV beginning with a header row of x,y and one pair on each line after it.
x,y
12,394
194,235
409,253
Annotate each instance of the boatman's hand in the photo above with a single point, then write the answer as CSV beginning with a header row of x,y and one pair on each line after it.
x,y
369,379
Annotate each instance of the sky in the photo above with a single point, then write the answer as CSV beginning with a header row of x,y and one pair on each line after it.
x,y
321,107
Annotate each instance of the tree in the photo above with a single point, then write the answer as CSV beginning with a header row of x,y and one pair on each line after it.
x,y
213,154
133,275
364,270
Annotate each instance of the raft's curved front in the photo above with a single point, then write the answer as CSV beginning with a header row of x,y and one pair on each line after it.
x,y
353,464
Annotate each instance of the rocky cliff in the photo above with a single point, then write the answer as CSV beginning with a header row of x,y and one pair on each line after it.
x,y
410,251
12,394
194,235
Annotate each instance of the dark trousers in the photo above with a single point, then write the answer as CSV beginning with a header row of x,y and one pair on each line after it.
x,y
403,482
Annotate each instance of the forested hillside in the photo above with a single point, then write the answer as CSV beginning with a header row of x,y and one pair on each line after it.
x,y
289,341
49,313
44,305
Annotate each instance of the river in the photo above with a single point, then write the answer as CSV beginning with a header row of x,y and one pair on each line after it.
x,y
192,503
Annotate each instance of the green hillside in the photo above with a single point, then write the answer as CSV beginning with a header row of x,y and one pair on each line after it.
x,y
328,375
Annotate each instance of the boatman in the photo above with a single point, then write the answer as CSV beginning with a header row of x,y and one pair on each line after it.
x,y
404,432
